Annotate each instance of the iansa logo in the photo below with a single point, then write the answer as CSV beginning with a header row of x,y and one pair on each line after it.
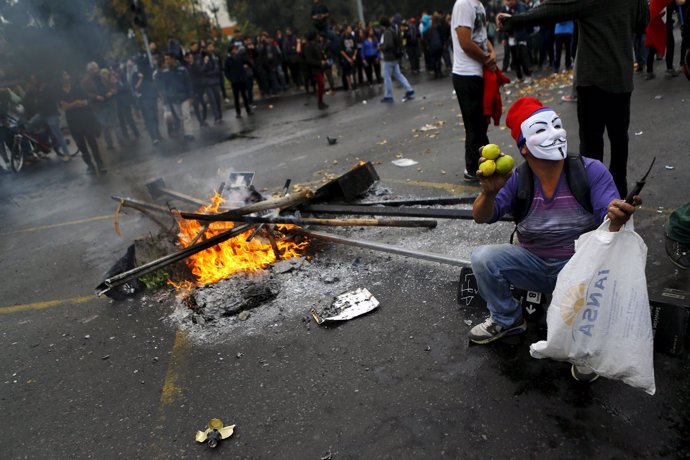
x,y
573,301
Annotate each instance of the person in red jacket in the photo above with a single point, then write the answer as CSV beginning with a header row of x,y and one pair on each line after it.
x,y
656,36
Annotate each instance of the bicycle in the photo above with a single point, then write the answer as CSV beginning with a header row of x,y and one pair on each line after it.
x,y
27,144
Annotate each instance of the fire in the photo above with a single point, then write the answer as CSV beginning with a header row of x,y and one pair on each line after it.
x,y
232,256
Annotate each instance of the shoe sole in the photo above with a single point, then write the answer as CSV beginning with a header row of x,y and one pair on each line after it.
x,y
508,333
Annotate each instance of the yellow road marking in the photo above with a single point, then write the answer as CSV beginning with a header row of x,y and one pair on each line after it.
x,y
170,385
45,304
60,224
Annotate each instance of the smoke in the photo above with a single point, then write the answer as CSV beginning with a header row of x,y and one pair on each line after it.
x,y
46,37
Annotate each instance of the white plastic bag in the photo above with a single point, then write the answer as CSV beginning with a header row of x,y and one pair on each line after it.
x,y
599,316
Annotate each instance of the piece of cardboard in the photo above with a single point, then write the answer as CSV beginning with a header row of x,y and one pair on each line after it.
x,y
533,303
670,309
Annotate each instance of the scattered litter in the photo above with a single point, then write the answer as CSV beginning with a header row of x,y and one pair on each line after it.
x,y
270,106
327,456
244,315
105,357
347,306
332,140
658,97
214,433
669,167
639,133
383,142
404,162
660,210
364,102
87,336
468,322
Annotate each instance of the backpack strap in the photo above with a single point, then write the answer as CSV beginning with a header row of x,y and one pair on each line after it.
x,y
525,192
577,181
524,196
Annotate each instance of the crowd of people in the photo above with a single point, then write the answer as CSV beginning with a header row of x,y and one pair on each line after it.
x,y
186,82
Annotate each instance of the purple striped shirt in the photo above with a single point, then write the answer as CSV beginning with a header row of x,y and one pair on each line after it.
x,y
551,226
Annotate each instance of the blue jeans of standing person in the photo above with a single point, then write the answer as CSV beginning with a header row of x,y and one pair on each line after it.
x,y
106,117
392,68
53,123
498,266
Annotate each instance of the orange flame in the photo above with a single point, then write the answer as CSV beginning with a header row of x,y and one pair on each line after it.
x,y
232,256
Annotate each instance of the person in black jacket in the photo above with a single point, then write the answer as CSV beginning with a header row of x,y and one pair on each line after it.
x,y
236,66
316,61
212,74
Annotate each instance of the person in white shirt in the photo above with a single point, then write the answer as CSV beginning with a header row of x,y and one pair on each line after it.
x,y
472,51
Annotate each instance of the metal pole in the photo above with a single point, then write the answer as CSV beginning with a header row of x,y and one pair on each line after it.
x,y
385,248
148,51
124,277
360,11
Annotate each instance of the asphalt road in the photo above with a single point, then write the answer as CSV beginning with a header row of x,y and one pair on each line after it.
x,y
84,377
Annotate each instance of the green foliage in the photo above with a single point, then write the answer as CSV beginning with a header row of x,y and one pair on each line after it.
x,y
156,280
271,15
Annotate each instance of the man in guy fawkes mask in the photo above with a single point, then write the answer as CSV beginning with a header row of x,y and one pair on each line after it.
x,y
554,198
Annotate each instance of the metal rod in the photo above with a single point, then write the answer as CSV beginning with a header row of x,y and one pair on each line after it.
x,y
390,212
426,223
124,277
143,204
451,200
384,248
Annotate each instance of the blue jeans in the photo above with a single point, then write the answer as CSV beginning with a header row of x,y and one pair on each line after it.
x,y
53,123
393,68
498,266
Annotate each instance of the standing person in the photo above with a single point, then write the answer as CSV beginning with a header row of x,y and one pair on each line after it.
x,y
604,70
249,51
412,43
82,123
564,38
392,50
551,215
315,60
236,66
124,100
517,40
436,44
213,75
176,89
472,52
372,62
348,55
194,60
197,80
46,107
145,91
100,99
658,39
291,57
319,16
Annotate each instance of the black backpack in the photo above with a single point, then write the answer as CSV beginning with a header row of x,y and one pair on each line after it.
x,y
397,43
575,175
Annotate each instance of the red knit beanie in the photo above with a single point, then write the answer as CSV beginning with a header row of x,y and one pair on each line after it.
x,y
520,111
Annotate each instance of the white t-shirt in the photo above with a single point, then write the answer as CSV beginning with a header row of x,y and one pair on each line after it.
x,y
468,13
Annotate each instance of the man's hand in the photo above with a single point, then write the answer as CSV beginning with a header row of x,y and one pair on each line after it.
x,y
490,61
493,183
500,19
619,212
